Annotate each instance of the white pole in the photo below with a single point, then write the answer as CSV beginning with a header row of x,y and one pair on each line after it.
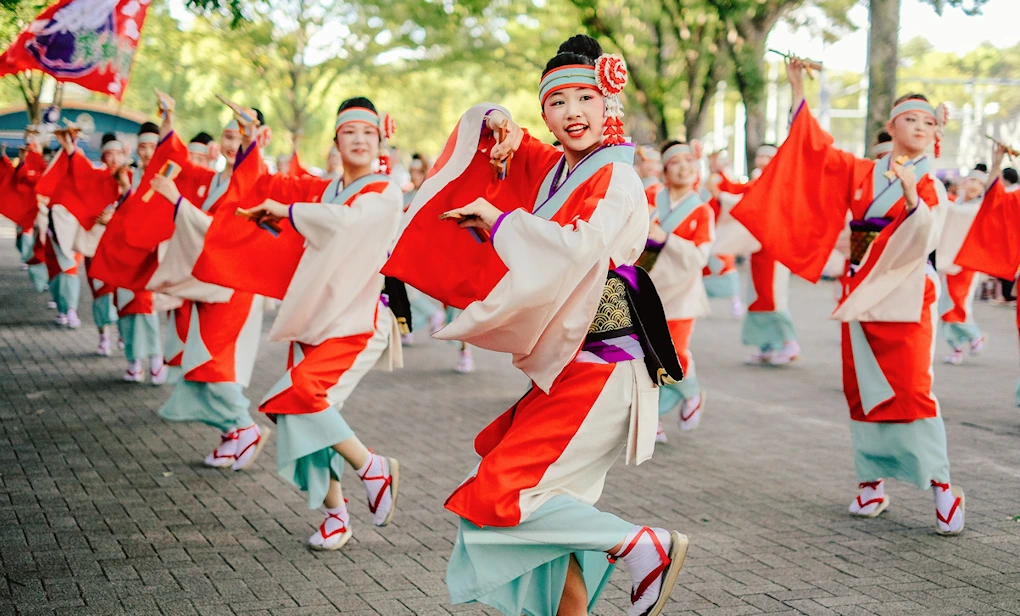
x,y
739,142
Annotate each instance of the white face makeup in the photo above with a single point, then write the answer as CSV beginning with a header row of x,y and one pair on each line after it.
x,y
575,117
358,144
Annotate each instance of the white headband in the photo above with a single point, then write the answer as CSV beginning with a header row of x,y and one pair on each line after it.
x,y
978,175
198,148
676,150
112,145
882,148
148,138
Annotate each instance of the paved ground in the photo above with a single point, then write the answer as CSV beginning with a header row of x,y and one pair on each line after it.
x,y
105,509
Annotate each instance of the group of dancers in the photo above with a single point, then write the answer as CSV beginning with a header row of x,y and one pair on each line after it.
x,y
589,262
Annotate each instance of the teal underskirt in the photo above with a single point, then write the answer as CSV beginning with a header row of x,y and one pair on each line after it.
x,y
304,451
522,569
66,292
672,395
913,452
724,286
768,330
104,311
140,333
960,335
39,276
220,405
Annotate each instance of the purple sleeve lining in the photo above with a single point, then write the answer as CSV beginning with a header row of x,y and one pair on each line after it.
x,y
485,125
163,140
654,246
495,227
290,216
241,155
177,205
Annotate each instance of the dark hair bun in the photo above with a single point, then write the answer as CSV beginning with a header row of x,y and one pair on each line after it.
x,y
108,137
357,101
578,49
148,127
582,45
203,137
667,145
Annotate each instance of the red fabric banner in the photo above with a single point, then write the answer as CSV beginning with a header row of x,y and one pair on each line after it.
x,y
88,42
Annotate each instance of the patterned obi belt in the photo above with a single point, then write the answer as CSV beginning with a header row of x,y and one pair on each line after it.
x,y
862,234
630,324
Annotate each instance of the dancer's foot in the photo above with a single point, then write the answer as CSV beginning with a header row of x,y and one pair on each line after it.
x,y
61,319
737,308
407,339
120,344
334,532
949,504
760,356
785,355
871,501
52,305
225,453
381,476
160,375
73,321
133,374
104,346
691,412
955,357
976,346
654,558
660,435
250,441
466,364
436,321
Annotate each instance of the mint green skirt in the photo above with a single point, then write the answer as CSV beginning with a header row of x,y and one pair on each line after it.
x,y
672,395
104,311
220,405
66,292
140,333
304,451
522,569
724,286
39,276
768,330
913,452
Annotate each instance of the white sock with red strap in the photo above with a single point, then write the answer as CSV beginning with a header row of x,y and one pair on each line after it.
x,y
336,523
645,551
871,497
375,475
948,510
155,364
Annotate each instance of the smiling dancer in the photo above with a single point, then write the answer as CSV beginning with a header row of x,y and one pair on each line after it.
x,y
888,306
544,271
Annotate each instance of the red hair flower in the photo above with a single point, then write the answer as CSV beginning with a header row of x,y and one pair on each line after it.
x,y
610,74
389,126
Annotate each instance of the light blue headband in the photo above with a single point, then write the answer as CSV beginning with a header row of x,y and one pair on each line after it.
x,y
570,76
676,150
358,114
913,104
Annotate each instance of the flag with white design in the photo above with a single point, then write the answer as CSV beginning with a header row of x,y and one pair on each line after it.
x,y
88,42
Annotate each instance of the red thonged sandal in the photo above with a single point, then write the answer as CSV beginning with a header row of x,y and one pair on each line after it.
x,y
390,481
668,569
958,504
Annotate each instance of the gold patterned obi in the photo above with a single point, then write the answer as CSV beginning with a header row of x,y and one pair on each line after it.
x,y
613,315
862,234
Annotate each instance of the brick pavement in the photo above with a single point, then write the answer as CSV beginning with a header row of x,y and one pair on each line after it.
x,y
105,509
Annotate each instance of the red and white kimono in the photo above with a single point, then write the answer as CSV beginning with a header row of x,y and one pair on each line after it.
x,y
888,306
533,289
323,264
957,305
992,244
678,277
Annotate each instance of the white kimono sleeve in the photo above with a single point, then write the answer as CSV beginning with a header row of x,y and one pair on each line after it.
x,y
173,275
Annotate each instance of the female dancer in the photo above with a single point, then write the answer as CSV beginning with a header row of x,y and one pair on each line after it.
x,y
888,306
681,233
547,276
336,321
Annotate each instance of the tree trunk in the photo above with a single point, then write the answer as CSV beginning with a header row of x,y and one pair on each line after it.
x,y
883,59
749,62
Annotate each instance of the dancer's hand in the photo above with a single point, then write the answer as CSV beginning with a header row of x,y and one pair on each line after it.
x,y
498,122
795,75
908,179
479,214
267,208
165,187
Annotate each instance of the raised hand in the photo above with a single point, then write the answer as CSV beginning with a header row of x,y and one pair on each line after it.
x,y
479,214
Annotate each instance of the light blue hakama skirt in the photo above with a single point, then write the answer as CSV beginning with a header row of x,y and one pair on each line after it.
x,y
140,333
914,452
66,292
104,310
768,330
220,405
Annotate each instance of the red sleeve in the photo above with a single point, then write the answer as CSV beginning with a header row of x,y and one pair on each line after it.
x,y
287,188
703,221
992,245
727,185
797,208
46,183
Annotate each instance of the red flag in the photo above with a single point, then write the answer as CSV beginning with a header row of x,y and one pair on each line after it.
x,y
992,245
88,42
18,202
240,254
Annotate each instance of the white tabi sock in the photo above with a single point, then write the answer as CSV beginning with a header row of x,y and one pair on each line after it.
x,y
336,523
947,518
642,560
374,475
155,364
